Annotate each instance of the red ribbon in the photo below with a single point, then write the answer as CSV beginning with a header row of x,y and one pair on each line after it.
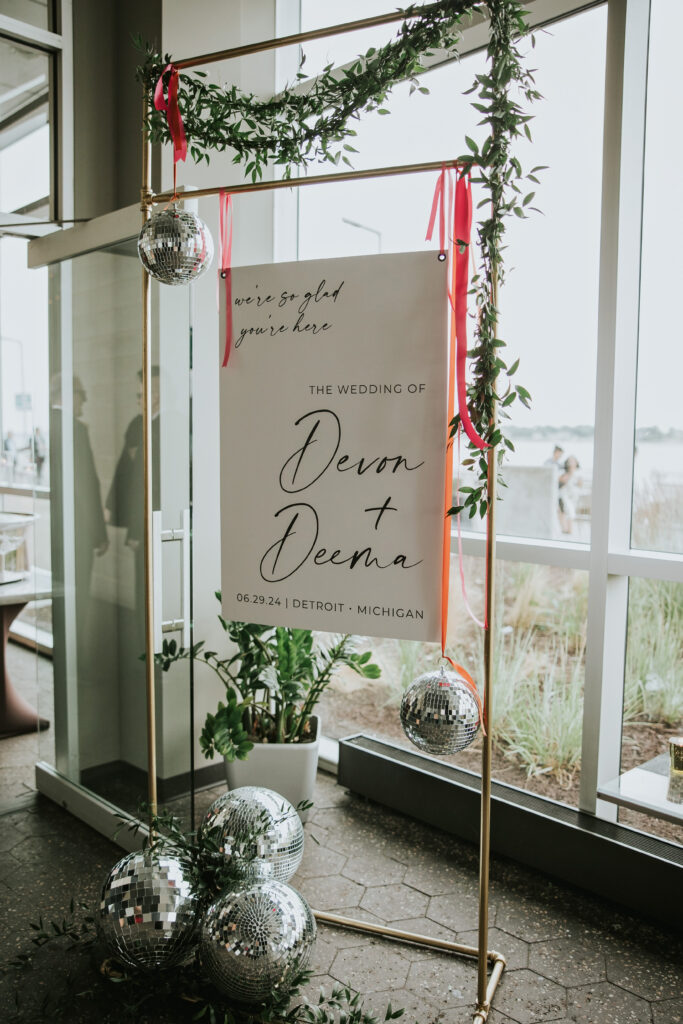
x,y
225,243
459,255
170,108
461,206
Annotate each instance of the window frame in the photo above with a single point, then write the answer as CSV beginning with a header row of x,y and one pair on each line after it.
x,y
609,558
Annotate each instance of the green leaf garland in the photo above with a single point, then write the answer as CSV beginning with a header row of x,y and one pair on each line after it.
x,y
307,124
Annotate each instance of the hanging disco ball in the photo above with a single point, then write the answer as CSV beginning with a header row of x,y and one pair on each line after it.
x,y
255,940
175,246
148,914
259,831
439,713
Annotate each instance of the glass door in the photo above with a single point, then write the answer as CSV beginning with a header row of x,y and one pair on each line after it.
x,y
99,759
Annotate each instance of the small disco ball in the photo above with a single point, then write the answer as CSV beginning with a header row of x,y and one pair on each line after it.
x,y
148,914
439,713
175,246
255,940
260,831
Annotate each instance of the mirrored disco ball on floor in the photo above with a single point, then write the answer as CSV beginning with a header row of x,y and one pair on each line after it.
x,y
260,831
439,713
255,940
147,915
175,246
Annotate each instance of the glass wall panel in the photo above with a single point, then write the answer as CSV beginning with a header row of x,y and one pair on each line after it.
x,y
97,523
25,678
539,676
657,522
653,704
24,128
35,12
549,302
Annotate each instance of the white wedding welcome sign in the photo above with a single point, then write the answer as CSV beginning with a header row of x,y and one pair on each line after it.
x,y
332,445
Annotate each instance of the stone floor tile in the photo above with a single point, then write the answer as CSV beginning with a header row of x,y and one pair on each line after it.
x,y
373,968
530,999
463,1015
647,973
393,902
328,793
445,980
496,1017
374,870
318,861
668,1012
436,877
606,1004
359,914
515,951
324,952
9,837
569,962
315,835
330,892
343,938
422,926
531,920
459,911
417,1009
15,783
312,991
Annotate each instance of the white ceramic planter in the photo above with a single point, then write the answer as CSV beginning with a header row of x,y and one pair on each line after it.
x,y
288,768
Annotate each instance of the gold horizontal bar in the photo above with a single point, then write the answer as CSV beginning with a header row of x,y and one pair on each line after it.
x,y
399,933
300,37
318,179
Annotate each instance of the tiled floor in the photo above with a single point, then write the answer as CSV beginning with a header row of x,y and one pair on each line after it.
x,y
570,957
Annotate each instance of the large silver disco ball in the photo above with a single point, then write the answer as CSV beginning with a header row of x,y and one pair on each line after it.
x,y
148,915
439,713
255,940
175,246
259,831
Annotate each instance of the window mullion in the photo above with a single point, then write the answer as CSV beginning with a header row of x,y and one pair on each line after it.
x,y
624,137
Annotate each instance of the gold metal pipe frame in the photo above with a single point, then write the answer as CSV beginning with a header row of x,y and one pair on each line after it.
x,y
497,960
146,190
483,998
486,985
316,179
292,40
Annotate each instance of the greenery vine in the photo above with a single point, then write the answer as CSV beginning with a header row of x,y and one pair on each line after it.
x,y
312,120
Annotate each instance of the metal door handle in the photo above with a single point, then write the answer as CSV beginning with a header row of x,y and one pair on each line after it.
x,y
159,537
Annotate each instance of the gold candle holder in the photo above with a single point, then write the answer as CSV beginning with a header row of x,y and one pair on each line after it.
x,y
676,755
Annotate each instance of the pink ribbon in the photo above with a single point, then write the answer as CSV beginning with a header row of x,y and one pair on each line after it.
x,y
225,243
170,108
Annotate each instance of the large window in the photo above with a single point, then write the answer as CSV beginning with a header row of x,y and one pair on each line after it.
x,y
561,683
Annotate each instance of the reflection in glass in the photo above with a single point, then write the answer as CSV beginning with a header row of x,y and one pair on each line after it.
x,y
653,687
99,678
35,12
657,522
24,129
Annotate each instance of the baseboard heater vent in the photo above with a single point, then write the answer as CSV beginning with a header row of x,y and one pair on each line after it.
x,y
618,863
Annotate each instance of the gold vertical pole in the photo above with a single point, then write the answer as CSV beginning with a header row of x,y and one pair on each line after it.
x,y
483,998
146,192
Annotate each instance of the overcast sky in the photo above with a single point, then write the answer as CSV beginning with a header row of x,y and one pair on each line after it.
x,y
549,306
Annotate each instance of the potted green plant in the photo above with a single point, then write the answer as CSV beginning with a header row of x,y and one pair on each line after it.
x,y
266,729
